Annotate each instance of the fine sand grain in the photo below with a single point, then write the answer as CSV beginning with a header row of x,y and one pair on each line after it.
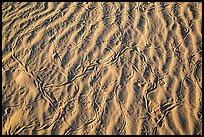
x,y
130,68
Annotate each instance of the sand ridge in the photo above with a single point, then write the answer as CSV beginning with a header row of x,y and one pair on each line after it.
x,y
102,68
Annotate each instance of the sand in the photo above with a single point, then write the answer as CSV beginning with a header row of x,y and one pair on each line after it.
x,y
131,68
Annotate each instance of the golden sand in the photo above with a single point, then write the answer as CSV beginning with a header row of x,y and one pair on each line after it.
x,y
132,68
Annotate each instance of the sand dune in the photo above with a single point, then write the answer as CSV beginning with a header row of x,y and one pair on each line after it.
x,y
132,68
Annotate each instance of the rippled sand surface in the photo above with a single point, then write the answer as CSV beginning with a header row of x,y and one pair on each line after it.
x,y
132,68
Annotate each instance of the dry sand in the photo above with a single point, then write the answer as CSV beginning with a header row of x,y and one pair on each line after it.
x,y
102,68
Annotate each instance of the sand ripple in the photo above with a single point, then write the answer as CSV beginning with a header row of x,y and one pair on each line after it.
x,y
102,68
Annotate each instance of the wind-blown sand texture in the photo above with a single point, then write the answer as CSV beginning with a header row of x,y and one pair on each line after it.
x,y
102,68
